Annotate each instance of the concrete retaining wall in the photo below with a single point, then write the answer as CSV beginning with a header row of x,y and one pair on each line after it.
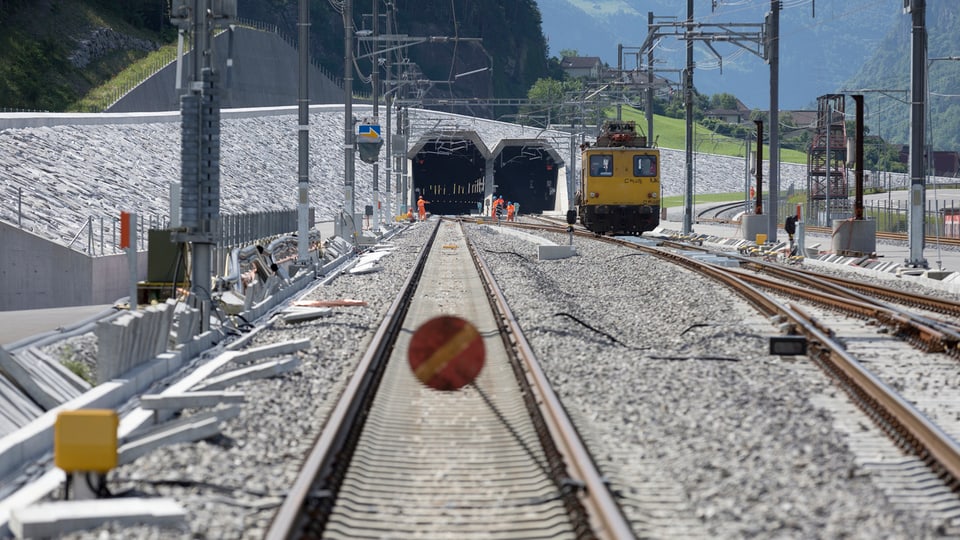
x,y
38,273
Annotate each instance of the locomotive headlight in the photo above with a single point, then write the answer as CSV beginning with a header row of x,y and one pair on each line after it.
x,y
654,195
594,194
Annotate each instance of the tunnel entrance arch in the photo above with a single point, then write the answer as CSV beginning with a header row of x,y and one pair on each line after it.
x,y
448,169
525,171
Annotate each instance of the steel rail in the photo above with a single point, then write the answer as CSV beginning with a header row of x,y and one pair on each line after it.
x,y
904,424
940,305
718,210
606,518
346,419
928,334
922,332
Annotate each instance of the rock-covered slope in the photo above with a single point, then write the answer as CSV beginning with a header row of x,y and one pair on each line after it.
x,y
66,173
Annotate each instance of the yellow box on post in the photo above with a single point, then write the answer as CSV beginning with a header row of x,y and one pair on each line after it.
x,y
761,239
86,440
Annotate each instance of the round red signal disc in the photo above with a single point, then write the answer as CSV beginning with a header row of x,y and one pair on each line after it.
x,y
446,353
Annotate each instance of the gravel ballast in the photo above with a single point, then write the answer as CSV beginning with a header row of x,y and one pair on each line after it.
x,y
232,485
665,373
691,393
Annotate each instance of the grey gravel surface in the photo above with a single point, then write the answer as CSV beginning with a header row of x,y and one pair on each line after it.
x,y
691,393
686,395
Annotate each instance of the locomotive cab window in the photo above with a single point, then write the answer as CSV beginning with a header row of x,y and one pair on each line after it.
x,y
601,165
644,165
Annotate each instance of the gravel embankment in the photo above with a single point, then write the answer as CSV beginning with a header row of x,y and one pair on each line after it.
x,y
691,394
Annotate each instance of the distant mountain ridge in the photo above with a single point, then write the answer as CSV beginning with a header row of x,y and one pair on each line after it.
x,y
886,78
855,45
819,50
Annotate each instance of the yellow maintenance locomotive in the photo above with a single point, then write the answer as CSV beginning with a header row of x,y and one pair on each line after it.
x,y
619,191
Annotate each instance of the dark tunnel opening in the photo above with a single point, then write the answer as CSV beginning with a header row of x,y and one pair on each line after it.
x,y
448,173
526,175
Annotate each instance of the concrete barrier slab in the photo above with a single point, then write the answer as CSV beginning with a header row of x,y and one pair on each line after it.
x,y
192,400
53,519
548,253
299,314
259,371
725,262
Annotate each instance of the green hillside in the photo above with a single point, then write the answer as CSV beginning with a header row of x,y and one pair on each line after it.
x,y
671,133
40,36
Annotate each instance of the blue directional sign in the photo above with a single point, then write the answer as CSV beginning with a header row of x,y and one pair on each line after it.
x,y
369,142
369,132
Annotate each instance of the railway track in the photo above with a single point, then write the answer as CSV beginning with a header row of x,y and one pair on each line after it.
x,y
496,459
863,310
909,395
697,431
723,213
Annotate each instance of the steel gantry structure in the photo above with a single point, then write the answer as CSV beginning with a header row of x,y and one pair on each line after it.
x,y
381,58
761,39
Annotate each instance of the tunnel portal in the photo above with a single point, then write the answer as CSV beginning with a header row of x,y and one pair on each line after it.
x,y
448,171
525,172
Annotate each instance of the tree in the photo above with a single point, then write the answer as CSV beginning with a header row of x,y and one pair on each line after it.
x,y
569,52
723,101
551,95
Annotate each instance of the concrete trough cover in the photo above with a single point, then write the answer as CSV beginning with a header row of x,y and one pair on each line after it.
x,y
549,253
954,277
193,400
910,272
716,260
367,262
299,314
268,369
366,268
731,242
523,235
53,519
642,241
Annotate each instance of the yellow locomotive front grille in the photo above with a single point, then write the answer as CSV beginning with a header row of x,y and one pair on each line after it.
x,y
623,191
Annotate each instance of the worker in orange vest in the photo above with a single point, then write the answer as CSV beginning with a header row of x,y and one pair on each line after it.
x,y
510,211
422,208
497,203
